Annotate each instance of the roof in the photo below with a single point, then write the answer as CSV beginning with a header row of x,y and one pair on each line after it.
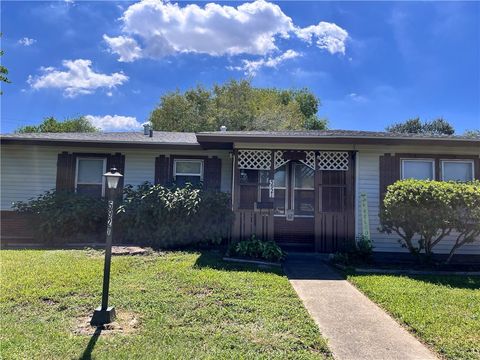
x,y
225,139
158,139
335,136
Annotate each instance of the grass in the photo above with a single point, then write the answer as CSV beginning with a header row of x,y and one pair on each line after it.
x,y
443,311
190,305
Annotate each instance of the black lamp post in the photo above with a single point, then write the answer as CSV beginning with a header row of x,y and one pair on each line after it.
x,y
104,314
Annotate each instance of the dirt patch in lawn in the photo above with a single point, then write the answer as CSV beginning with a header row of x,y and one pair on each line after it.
x,y
125,323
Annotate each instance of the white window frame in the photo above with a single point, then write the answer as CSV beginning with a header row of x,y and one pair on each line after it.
x,y
91,158
297,188
275,187
432,161
466,161
176,161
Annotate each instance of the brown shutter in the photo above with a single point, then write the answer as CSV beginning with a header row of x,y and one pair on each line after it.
x,y
476,165
162,170
212,173
117,161
65,172
389,172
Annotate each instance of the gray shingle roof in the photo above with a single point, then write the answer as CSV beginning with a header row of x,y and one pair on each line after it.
x,y
166,139
336,133
159,137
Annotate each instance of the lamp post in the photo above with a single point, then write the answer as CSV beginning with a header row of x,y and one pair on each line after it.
x,y
104,314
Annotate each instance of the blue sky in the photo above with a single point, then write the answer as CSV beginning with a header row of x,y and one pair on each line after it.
x,y
370,63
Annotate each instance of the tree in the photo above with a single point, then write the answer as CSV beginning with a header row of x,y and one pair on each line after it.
x,y
51,125
416,126
3,72
238,106
472,133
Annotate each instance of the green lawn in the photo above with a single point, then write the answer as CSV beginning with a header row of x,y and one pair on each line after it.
x,y
443,311
190,305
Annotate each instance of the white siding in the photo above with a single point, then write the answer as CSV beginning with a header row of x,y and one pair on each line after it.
x,y
368,183
27,171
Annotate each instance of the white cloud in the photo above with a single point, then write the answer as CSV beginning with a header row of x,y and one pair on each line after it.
x,y
328,36
251,67
155,29
166,28
26,41
78,79
357,98
114,122
124,46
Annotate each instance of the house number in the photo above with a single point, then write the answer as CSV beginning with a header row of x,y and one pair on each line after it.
x,y
271,189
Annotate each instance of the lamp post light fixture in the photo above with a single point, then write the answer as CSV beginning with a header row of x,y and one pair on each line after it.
x,y
105,314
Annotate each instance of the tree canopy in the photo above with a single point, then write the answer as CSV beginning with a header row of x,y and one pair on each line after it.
x,y
416,126
3,71
239,106
50,124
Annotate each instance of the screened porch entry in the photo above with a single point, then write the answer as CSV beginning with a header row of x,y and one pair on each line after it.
x,y
301,199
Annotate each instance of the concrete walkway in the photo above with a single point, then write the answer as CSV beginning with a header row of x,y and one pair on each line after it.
x,y
354,326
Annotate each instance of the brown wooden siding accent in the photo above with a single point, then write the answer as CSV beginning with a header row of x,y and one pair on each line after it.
x,y
389,172
162,170
297,233
335,232
17,227
249,222
66,172
212,173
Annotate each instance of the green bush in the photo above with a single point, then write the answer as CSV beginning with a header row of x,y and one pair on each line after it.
x,y
363,248
257,249
65,216
170,217
423,213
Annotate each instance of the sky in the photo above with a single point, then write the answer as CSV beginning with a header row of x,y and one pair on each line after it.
x,y
371,64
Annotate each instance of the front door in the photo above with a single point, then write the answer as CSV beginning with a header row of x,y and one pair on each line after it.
x,y
294,206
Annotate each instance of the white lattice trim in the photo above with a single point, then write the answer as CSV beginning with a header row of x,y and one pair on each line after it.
x,y
333,160
309,159
254,159
279,160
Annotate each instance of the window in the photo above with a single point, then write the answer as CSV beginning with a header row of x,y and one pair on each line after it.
x,y
420,169
188,171
303,190
89,177
457,170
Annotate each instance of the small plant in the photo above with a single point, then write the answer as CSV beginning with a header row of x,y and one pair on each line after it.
x,y
339,258
257,249
363,247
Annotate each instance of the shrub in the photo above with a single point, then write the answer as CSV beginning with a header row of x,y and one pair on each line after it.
x,y
418,207
171,217
363,248
429,211
63,216
465,215
257,249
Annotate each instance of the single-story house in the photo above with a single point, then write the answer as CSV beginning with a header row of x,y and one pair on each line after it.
x,y
307,190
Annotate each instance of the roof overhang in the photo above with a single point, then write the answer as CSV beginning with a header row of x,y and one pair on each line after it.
x,y
99,144
227,141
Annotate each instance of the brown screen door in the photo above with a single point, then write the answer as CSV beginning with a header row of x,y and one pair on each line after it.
x,y
334,213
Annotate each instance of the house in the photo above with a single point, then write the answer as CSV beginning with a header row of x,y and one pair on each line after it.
x,y
307,190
